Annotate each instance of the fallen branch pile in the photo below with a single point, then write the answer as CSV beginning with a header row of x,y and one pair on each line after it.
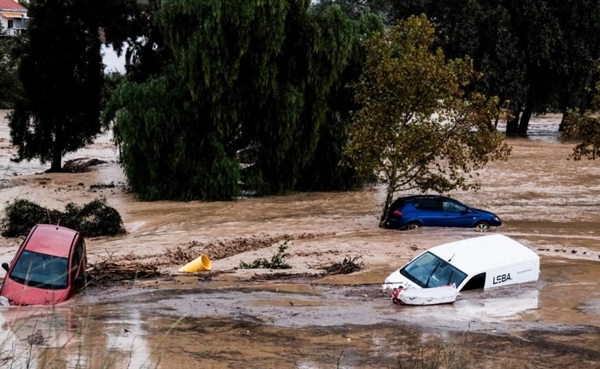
x,y
109,270
223,248
80,165
347,266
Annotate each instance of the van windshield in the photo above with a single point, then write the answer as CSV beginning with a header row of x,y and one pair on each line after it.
x,y
430,271
41,271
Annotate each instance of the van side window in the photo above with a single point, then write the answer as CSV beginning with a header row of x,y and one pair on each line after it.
x,y
477,282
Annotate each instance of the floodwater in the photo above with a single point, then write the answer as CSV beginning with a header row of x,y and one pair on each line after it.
x,y
546,202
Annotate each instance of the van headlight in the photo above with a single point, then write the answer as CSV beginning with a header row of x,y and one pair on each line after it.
x,y
496,219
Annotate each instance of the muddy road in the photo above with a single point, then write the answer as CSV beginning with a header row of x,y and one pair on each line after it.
x,y
238,320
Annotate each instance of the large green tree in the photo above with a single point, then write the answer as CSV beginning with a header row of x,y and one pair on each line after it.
x,y
62,75
162,131
329,170
256,76
417,127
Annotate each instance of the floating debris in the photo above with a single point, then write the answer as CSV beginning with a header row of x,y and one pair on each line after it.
x,y
37,339
110,270
347,266
80,165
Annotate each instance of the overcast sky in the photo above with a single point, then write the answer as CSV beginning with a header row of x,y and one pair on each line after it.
x,y
112,61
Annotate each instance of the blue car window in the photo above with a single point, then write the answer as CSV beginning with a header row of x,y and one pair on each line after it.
x,y
41,270
427,204
454,207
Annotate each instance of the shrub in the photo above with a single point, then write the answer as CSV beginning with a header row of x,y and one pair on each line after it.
x,y
21,216
92,220
277,261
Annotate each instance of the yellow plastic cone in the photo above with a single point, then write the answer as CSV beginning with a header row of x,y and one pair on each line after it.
x,y
200,264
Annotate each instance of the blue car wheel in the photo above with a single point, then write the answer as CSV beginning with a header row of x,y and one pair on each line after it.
x,y
411,225
482,226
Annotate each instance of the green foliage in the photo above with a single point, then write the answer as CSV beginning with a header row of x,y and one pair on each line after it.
x,y
93,219
417,128
112,80
535,55
21,216
10,86
330,169
277,261
248,85
62,74
147,54
355,9
167,150
585,126
261,72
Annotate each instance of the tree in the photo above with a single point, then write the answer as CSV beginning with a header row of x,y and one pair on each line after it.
x,y
329,170
10,86
62,75
167,150
254,77
356,9
537,56
417,127
585,126
146,54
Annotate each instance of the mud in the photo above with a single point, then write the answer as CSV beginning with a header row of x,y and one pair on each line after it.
x,y
233,318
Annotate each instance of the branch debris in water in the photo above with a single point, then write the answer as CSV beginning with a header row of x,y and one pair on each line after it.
x,y
110,270
347,266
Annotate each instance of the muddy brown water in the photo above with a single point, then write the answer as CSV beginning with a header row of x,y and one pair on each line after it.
x,y
546,202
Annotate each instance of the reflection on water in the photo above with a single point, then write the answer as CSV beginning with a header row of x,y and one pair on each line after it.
x,y
505,305
68,337
541,128
301,327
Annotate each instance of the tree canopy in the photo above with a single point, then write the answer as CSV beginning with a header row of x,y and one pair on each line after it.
x,y
251,81
584,125
417,127
62,75
10,86
537,56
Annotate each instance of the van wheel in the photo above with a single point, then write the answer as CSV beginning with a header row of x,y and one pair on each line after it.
x,y
482,226
411,225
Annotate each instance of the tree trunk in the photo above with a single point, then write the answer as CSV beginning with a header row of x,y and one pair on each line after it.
x,y
524,125
512,124
563,122
386,207
57,154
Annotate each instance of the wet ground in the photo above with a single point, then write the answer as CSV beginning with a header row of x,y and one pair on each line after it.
x,y
546,202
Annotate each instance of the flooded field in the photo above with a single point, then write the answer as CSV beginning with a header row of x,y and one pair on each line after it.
x,y
234,321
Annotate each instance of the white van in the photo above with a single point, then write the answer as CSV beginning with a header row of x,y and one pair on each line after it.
x,y
480,262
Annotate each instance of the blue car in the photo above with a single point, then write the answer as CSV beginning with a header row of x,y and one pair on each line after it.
x,y
437,211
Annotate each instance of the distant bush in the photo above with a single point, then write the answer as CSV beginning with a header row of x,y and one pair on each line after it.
x,y
92,219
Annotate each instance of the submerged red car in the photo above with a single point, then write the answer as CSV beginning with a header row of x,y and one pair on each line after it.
x,y
48,268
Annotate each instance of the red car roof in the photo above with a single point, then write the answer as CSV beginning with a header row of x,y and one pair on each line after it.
x,y
51,240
